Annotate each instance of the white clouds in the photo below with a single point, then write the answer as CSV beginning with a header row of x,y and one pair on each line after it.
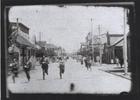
x,y
68,26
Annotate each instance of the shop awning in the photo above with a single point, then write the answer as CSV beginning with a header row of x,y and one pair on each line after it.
x,y
24,42
119,42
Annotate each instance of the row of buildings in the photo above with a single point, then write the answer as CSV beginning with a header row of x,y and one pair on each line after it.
x,y
22,48
107,46
19,44
48,49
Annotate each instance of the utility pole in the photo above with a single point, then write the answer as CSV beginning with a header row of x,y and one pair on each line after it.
x,y
100,45
17,24
35,39
15,40
125,45
92,41
39,36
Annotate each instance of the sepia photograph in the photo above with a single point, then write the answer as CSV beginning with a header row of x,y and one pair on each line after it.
x,y
68,49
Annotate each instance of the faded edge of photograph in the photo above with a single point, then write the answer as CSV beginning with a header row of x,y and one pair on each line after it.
x,y
69,49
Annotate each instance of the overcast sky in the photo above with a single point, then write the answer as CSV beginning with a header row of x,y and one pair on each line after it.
x,y
68,26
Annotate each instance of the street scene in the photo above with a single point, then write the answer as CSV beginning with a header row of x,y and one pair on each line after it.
x,y
85,81
69,49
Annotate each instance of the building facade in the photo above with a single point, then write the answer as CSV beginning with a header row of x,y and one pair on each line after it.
x,y
19,38
111,51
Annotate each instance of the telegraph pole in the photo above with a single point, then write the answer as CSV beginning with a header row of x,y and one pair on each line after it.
x,y
92,41
100,44
19,57
17,27
40,36
125,45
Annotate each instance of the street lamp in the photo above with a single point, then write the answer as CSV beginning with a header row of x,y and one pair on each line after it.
x,y
100,45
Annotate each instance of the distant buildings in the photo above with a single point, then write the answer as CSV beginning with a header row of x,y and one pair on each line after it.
x,y
40,52
109,45
112,50
115,50
48,49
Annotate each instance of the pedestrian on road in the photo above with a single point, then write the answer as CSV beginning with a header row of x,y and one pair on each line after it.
x,y
81,60
89,61
14,70
27,68
121,61
44,65
117,62
86,62
61,67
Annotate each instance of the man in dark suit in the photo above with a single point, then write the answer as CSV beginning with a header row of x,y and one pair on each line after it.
x,y
44,64
121,61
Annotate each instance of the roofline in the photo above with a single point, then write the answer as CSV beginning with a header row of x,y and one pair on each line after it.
x,y
21,24
117,42
40,43
115,34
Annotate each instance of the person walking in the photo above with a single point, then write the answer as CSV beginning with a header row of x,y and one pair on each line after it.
x,y
86,62
89,63
81,60
27,68
61,67
44,65
121,61
117,62
14,69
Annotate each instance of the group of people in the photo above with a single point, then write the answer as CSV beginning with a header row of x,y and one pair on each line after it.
x,y
87,61
15,69
45,65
